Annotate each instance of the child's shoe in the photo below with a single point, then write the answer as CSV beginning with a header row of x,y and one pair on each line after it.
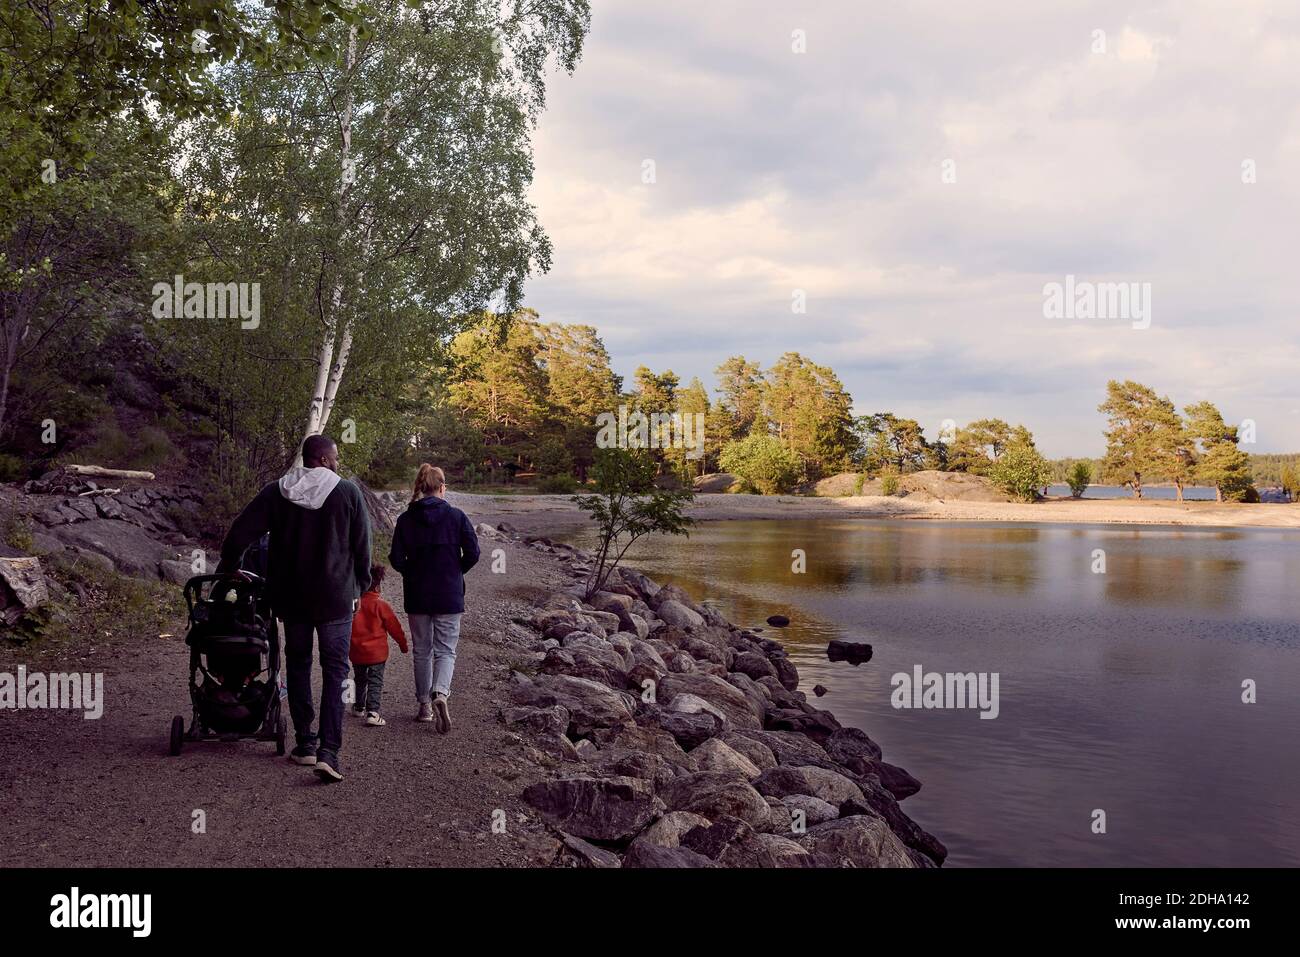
x,y
359,712
374,721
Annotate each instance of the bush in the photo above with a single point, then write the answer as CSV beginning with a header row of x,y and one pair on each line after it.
x,y
1021,471
889,483
12,469
1079,479
557,485
763,463
860,481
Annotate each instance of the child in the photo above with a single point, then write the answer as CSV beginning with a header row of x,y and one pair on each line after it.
x,y
371,626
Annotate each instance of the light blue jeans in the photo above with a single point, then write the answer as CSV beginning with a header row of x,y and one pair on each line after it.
x,y
433,647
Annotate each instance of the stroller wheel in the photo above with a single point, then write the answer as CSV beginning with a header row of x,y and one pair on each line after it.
x,y
178,735
280,730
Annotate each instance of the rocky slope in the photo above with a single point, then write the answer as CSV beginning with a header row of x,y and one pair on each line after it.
x,y
676,739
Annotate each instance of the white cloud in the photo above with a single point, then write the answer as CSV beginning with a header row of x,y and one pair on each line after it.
x,y
821,172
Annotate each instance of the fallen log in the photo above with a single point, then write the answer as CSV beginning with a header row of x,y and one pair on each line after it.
x,y
100,472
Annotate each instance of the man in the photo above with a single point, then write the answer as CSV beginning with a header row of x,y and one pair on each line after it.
x,y
318,567
434,545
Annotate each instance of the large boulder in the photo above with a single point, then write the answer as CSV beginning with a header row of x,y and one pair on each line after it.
x,y
862,841
678,615
668,830
725,697
132,550
644,854
758,753
851,747
591,705
716,755
23,588
538,721
717,794
815,810
689,730
598,809
792,749
694,704
830,786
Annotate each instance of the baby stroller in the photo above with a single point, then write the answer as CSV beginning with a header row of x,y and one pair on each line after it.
x,y
234,663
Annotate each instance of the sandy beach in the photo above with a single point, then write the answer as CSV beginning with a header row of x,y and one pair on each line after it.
x,y
548,512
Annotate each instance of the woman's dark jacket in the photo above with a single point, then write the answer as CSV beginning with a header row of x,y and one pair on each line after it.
x,y
433,546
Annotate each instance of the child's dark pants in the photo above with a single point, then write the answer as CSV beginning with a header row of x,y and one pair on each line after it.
x,y
370,685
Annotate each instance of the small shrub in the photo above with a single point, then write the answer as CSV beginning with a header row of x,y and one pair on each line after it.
x,y
1079,479
17,534
557,485
889,483
12,469
859,482
762,462
1021,471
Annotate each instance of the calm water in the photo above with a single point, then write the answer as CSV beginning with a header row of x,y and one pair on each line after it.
x,y
1161,492
1119,691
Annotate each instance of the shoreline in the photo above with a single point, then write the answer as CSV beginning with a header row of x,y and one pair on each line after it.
x,y
676,738
556,511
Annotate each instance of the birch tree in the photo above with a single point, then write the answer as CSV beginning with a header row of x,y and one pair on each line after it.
x,y
381,194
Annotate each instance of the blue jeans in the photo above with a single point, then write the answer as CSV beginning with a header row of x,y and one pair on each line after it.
x,y
335,642
433,646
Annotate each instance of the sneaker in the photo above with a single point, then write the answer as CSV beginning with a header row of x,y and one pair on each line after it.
x,y
441,713
303,755
426,712
374,721
359,712
326,770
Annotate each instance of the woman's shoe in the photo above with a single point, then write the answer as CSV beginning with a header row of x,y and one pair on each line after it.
x,y
374,721
441,713
426,712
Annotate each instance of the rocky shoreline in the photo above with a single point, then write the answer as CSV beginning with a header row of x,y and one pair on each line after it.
x,y
675,738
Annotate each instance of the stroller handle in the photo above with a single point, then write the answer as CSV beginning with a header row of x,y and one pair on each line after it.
x,y
195,585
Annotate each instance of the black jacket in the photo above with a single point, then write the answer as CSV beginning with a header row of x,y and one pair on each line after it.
x,y
319,561
433,546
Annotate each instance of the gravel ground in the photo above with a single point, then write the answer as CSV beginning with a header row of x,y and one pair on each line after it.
x,y
76,792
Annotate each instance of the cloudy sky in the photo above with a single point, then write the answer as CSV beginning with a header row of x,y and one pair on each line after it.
x,y
824,171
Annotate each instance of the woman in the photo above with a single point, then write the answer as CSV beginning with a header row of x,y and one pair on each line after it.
x,y
433,546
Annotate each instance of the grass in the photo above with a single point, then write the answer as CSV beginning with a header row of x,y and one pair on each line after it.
x,y
97,604
17,533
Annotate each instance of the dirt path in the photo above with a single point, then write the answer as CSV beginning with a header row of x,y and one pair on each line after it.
x,y
103,792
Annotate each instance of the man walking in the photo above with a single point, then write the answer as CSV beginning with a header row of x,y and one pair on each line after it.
x,y
318,567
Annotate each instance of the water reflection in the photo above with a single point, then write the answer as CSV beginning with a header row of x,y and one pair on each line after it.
x,y
1119,690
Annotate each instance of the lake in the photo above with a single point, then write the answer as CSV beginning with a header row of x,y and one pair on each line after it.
x,y
1163,493
1119,691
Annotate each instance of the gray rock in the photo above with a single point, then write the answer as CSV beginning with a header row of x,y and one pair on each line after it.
x,y
552,720
815,810
830,786
717,692
643,854
23,588
758,753
587,855
716,794
590,705
716,755
601,809
668,830
862,840
678,615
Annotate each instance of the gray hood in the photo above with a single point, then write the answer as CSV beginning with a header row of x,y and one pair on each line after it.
x,y
308,487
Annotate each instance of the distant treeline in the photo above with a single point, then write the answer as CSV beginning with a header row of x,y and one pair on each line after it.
x,y
1266,470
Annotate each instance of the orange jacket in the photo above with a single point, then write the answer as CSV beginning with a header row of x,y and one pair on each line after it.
x,y
371,625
